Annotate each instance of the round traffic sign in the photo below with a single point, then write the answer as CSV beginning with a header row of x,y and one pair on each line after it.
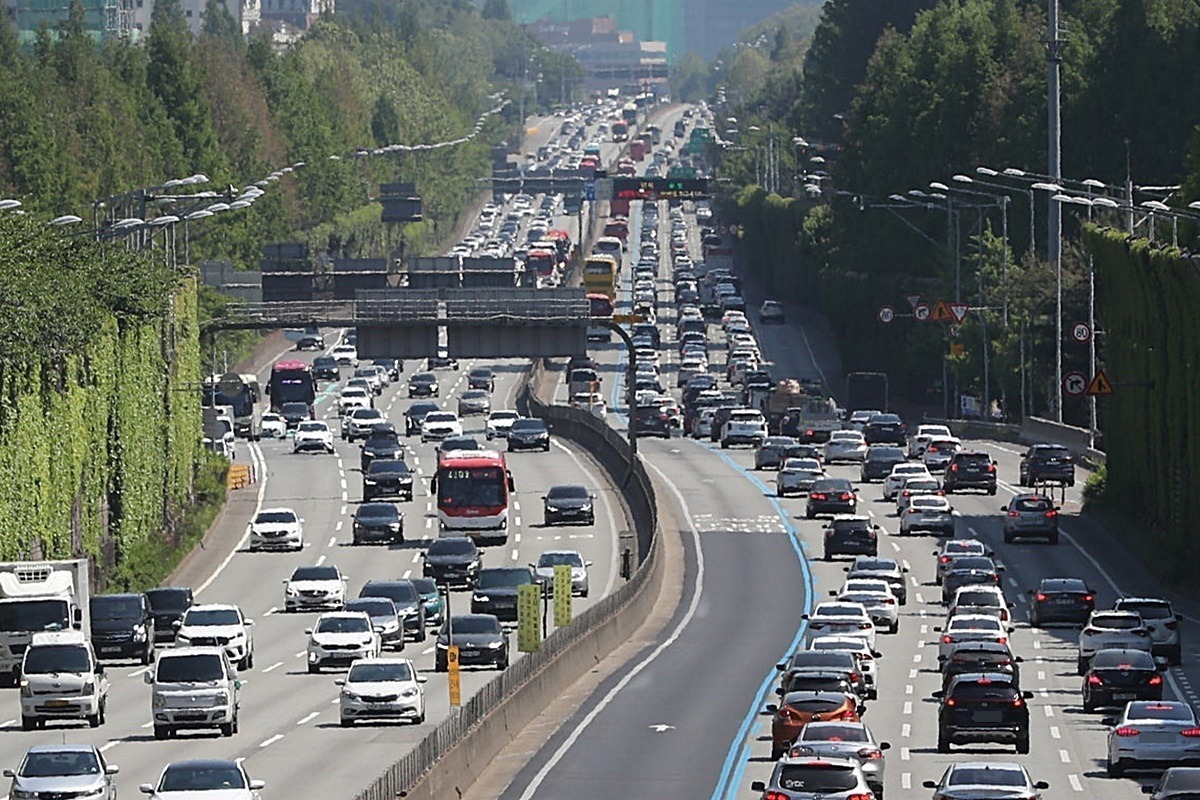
x,y
1075,383
921,312
1081,332
886,314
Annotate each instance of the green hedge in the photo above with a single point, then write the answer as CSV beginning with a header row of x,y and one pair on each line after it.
x,y
1147,297
99,408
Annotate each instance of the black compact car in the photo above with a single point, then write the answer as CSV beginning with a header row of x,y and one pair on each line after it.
x,y
969,571
453,561
885,429
851,535
416,415
423,384
409,604
168,604
529,433
983,707
1044,463
1117,675
480,640
651,421
387,477
878,462
383,442
326,368
496,591
481,378
970,657
569,503
378,522
831,496
295,413
970,469
1061,600
441,361
122,626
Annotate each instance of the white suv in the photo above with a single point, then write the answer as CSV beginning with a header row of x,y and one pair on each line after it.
x,y
745,426
1162,621
218,625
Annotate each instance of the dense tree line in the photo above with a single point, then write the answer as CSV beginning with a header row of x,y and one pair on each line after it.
x,y
895,96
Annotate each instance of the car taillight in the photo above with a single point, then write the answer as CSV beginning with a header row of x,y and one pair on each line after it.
x,y
1018,701
1096,680
1087,598
1190,733
817,495
850,715
1155,680
891,601
1041,597
954,467
950,701
775,796
845,496
870,752
854,676
1126,730
991,468
808,432
1051,514
931,449
1013,514
944,559
947,639
1002,639
861,796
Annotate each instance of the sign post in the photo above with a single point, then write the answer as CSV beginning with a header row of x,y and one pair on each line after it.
x,y
529,617
562,595
455,675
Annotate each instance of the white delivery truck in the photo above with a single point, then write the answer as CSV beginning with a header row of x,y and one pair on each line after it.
x,y
36,597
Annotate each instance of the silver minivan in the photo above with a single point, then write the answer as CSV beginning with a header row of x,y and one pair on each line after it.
x,y
194,687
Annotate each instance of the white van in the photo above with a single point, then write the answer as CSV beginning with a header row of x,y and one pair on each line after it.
x,y
194,687
61,679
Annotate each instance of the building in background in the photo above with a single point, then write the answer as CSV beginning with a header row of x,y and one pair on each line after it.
x,y
610,57
130,19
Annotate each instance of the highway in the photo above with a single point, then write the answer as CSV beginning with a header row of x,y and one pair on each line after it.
x,y
684,718
289,733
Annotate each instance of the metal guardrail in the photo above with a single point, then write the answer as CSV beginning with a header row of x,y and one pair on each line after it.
x,y
612,451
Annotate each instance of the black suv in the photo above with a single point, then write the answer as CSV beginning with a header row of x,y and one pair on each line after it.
x,y
1115,676
168,604
970,469
975,657
452,561
651,421
885,429
382,442
387,477
851,535
1047,462
416,415
326,368
122,626
879,461
831,496
496,591
983,707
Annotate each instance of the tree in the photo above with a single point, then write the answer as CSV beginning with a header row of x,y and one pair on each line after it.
x,y
689,78
220,25
385,122
496,9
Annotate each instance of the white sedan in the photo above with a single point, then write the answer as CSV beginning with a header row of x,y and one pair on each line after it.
x,y
842,619
203,779
970,628
439,425
312,435
880,603
922,436
797,475
276,529
1152,735
927,512
273,426
340,637
899,474
382,688
353,397
845,446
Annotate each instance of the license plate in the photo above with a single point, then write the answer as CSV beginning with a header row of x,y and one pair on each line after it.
x,y
468,653
1157,737
111,649
57,703
1124,695
1064,601
988,716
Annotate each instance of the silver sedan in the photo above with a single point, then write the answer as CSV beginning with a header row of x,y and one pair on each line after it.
x,y
798,475
1152,734
852,740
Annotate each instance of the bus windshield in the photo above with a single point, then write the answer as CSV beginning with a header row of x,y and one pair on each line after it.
x,y
472,487
291,382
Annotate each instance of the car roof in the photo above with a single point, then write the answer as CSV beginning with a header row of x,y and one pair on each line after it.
x,y
223,763
213,607
62,748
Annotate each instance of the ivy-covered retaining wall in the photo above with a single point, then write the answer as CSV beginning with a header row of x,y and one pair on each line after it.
x,y
99,407
1147,299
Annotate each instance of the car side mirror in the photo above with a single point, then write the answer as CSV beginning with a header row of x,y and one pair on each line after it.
x,y
1110,721
587,563
249,623
781,666
8,773
1161,663
339,682
937,628
758,786
771,708
178,623
1012,605
929,784
1019,659
939,694
804,616
148,678
1012,629
1027,695
885,745
1000,568
876,654
100,669
833,593
308,631
1042,785
845,569
1004,508
779,691
146,788
379,629
256,785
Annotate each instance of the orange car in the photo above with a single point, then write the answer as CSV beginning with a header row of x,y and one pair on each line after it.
x,y
797,709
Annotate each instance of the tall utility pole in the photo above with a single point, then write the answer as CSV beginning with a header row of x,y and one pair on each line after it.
x,y
1054,245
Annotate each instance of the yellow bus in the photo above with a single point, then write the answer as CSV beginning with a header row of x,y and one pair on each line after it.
x,y
600,275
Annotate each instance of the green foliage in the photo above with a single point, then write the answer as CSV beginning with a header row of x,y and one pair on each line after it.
x,y
1095,489
689,78
102,360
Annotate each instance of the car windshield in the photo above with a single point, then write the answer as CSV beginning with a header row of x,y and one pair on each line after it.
x,y
963,546
1147,609
983,689
212,616
556,559
294,408
190,668
1122,659
1030,504
498,416
974,562
832,485
815,779
397,591
425,585
1165,711
1116,621
567,493
454,546
312,427
269,517
986,776
315,574
474,394
883,419
63,762
824,732
1063,585
973,459
377,511
355,624
116,606
380,671
420,409
977,598
838,611
974,623
874,565
886,454
440,416
372,606
423,377
479,624
503,577
48,658
388,467
928,502
528,426
809,659
201,777
168,599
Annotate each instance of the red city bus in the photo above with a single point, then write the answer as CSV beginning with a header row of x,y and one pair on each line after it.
x,y
473,489
291,382
541,262
618,227
600,307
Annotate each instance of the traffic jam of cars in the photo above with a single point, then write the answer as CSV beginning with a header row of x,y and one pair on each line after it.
x,y
820,737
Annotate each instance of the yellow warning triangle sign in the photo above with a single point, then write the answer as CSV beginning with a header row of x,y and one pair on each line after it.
x,y
1100,385
941,313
